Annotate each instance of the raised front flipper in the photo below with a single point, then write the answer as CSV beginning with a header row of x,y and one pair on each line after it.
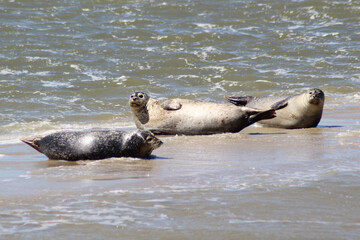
x,y
280,105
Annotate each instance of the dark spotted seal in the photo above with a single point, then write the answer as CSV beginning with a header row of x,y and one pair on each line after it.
x,y
189,117
93,145
298,111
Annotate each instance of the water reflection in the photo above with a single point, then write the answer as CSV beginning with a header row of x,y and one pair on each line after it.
x,y
107,169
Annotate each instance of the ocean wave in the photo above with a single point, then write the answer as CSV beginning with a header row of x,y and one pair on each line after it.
x,y
56,84
206,25
8,71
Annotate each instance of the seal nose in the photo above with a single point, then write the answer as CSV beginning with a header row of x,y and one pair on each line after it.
x,y
158,142
318,92
133,98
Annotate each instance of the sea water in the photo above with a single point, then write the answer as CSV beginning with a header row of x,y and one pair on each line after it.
x,y
73,65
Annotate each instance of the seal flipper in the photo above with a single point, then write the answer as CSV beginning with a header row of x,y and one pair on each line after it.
x,y
171,105
280,105
34,143
258,115
239,101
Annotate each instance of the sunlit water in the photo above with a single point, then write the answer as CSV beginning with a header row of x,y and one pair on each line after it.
x,y
74,64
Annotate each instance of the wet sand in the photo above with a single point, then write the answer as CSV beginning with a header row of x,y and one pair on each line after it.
x,y
259,183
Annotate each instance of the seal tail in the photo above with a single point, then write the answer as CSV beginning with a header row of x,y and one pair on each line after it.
x,y
258,115
34,143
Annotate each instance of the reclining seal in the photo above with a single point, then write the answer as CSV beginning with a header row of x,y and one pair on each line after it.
x,y
93,145
297,111
190,117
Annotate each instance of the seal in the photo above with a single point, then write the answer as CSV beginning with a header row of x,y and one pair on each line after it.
x,y
190,117
94,145
296,111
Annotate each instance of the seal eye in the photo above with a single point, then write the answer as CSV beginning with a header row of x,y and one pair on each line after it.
x,y
149,138
141,96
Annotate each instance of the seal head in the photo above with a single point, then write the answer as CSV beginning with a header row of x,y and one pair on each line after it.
x,y
138,100
138,104
316,96
141,143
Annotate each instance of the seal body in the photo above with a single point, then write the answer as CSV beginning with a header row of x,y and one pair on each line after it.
x,y
189,117
297,111
93,145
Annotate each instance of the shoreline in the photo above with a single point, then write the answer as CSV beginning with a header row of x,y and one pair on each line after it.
x,y
17,147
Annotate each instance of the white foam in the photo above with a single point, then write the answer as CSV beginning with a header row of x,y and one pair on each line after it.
x,y
150,49
217,68
205,25
75,66
44,73
263,81
186,76
209,49
94,75
55,84
280,72
218,86
8,71
160,37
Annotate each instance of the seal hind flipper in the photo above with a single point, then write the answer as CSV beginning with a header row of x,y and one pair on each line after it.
x,y
239,101
33,142
258,115
171,105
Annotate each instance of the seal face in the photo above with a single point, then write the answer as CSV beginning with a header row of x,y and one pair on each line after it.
x,y
138,99
93,145
297,111
189,117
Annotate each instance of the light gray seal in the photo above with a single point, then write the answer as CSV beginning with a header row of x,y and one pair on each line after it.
x,y
298,111
93,145
190,117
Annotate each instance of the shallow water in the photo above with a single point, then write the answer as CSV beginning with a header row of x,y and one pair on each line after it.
x,y
74,64
282,184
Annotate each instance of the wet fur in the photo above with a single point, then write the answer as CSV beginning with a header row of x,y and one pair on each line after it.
x,y
189,117
93,145
297,111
